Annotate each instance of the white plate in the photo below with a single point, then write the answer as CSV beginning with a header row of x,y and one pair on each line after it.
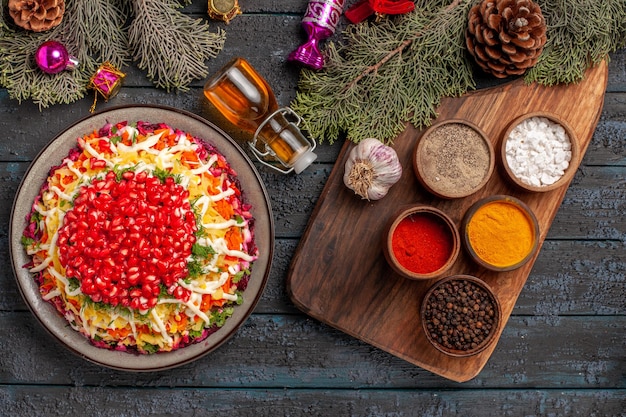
x,y
254,193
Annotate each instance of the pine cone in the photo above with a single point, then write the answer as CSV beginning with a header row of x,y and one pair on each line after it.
x,y
506,37
37,15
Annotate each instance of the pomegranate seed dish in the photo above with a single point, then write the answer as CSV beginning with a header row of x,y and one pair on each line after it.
x,y
142,238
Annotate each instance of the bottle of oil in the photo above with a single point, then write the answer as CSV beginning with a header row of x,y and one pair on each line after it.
x,y
247,101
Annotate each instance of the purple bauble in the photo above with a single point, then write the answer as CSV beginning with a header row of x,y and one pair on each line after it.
x,y
52,57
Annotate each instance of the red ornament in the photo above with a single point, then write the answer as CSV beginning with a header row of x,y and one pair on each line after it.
x,y
365,8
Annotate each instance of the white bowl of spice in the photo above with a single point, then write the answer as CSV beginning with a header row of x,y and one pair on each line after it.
x,y
453,159
539,152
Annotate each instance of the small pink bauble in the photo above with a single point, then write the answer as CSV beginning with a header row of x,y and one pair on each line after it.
x,y
52,57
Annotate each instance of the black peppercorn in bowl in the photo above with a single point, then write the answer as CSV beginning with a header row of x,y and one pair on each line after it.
x,y
460,315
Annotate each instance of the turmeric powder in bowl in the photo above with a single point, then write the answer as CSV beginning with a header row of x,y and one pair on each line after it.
x,y
500,233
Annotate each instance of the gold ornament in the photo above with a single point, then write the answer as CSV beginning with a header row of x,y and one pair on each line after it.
x,y
106,81
224,10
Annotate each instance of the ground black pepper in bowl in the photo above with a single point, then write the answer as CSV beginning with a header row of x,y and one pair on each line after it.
x,y
453,159
460,315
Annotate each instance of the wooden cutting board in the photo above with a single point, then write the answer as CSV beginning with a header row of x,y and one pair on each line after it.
x,y
339,274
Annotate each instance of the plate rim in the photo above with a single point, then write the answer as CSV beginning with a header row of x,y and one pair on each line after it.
x,y
128,361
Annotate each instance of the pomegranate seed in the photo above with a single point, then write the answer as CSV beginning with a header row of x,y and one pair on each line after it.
x,y
147,290
150,279
178,292
132,261
116,221
95,163
133,279
124,239
155,240
140,177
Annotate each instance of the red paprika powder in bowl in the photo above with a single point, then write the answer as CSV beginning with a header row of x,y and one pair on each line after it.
x,y
421,242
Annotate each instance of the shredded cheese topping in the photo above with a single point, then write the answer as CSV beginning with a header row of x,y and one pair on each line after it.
x,y
221,259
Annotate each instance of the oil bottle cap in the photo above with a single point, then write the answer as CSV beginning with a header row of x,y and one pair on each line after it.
x,y
304,161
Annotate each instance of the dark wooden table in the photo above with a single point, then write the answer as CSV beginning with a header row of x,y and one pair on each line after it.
x,y
563,351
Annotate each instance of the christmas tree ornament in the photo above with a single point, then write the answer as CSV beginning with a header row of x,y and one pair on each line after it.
x,y
37,15
52,57
363,9
319,22
506,37
106,81
224,10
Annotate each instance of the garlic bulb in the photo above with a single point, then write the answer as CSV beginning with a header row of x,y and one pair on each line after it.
x,y
371,169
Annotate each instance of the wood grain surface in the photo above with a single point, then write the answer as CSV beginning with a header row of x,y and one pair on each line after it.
x,y
562,352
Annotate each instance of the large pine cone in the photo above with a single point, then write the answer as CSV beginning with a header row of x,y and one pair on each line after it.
x,y
37,15
506,37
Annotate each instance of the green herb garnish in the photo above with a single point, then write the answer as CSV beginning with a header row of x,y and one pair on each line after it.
x,y
73,284
27,241
195,268
202,251
150,348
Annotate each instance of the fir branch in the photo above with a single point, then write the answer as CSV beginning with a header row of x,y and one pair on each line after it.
x,y
387,74
384,75
391,54
169,45
3,25
97,31
23,79
580,34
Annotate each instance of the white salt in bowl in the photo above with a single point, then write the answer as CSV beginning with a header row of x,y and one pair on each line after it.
x,y
539,152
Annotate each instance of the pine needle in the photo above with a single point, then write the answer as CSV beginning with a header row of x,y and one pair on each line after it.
x,y
386,74
172,47
169,45
83,22
97,30
3,26
580,34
